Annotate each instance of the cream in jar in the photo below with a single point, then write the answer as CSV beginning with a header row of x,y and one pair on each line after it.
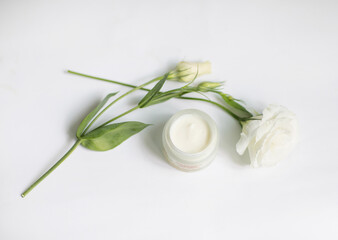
x,y
190,140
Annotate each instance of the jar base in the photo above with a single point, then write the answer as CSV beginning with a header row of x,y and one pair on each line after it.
x,y
184,168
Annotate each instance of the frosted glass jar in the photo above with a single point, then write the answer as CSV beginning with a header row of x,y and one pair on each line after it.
x,y
190,140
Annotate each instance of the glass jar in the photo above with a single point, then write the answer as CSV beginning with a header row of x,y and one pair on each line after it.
x,y
190,161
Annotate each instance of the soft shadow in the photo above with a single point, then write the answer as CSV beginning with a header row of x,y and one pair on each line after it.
x,y
153,138
134,100
230,134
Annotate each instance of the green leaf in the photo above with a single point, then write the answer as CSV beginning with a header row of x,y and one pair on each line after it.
x,y
108,137
162,97
232,102
92,114
147,98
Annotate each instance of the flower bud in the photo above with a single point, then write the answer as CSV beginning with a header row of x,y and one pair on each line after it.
x,y
205,86
188,71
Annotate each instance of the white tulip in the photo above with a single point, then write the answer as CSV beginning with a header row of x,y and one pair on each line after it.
x,y
188,71
271,138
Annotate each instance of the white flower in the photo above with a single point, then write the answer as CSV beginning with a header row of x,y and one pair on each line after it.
x,y
188,71
270,139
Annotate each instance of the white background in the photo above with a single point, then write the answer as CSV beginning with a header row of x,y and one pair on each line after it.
x,y
283,52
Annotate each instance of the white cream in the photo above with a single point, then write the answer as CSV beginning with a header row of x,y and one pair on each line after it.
x,y
190,133
190,140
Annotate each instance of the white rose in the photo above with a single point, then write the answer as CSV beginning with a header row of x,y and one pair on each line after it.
x,y
270,139
188,71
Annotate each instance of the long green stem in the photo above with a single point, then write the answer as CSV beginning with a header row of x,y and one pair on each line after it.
x,y
105,80
121,115
214,103
146,89
76,144
119,98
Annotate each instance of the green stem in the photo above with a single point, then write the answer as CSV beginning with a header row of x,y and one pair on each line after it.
x,y
77,143
106,80
146,89
119,98
216,104
121,115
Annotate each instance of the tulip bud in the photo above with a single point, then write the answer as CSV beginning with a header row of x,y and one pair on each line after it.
x,y
188,71
205,86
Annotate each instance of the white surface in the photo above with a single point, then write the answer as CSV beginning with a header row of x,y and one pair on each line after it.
x,y
283,52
